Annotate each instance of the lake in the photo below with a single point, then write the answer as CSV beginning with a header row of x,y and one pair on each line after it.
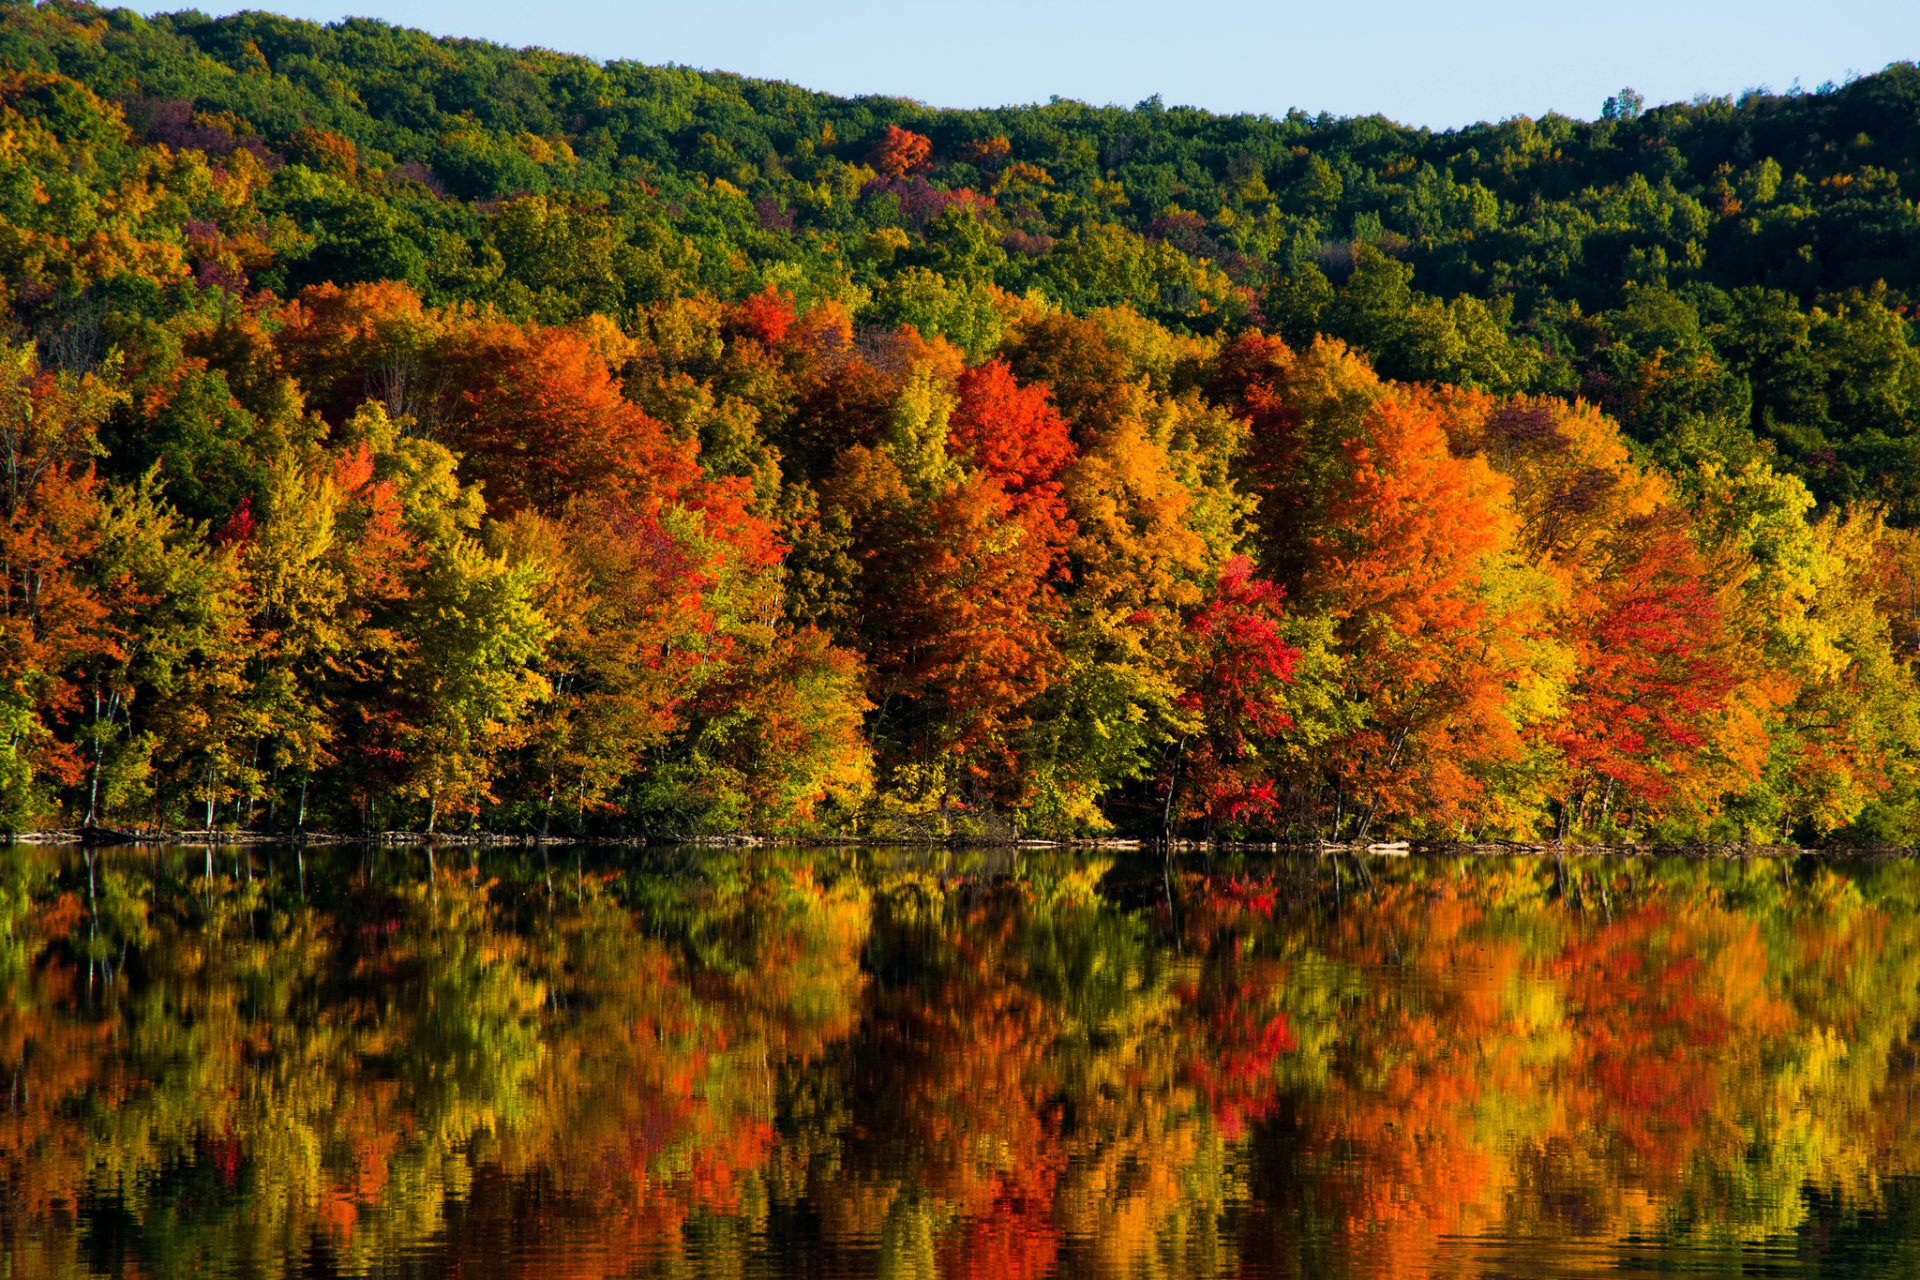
x,y
995,1063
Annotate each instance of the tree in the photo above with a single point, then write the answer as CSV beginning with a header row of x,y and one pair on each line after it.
x,y
51,618
955,612
538,418
900,152
1622,106
775,741
1408,551
633,642
1013,434
1654,680
165,592
474,635
1238,663
346,345
1413,564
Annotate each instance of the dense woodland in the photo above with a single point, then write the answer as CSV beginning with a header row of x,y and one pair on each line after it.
x,y
403,432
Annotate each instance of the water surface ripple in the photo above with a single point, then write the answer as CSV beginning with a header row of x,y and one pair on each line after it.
x,y
907,1063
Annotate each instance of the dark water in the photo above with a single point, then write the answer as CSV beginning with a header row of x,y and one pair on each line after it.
x,y
874,1063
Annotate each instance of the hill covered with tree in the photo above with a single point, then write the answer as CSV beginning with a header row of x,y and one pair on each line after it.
x,y
402,431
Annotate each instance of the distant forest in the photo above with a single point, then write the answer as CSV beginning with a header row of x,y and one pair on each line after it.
x,y
403,432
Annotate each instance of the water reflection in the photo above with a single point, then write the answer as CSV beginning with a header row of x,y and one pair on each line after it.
x,y
891,1063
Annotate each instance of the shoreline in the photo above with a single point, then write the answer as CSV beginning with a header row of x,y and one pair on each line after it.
x,y
1704,851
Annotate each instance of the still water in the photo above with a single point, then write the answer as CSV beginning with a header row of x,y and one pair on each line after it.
x,y
902,1063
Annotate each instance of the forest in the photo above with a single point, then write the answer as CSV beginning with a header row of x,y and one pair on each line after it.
x,y
414,433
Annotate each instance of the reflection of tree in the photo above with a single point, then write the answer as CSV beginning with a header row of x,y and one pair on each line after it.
x,y
284,1080
1606,1053
1016,1099
954,1061
277,1078
655,1126
946,1065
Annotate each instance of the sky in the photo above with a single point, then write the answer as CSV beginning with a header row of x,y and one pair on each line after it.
x,y
1421,62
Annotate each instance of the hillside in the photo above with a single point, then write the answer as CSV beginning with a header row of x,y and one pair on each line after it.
x,y
405,431
1722,259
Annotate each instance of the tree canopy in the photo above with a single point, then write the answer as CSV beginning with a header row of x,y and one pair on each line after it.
x,y
404,432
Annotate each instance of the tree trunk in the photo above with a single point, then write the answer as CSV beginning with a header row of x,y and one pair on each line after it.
x,y
1173,785
93,782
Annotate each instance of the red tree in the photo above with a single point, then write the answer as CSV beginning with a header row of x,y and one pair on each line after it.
x,y
1014,434
901,151
1239,663
1654,678
541,419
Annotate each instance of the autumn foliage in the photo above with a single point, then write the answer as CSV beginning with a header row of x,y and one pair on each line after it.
x,y
901,151
593,514
744,565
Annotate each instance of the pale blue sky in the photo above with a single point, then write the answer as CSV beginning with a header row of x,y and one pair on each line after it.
x,y
1438,64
